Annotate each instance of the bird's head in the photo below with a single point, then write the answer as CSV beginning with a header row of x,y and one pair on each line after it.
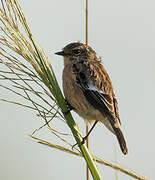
x,y
77,51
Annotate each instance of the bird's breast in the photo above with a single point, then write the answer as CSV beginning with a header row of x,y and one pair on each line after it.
x,y
72,92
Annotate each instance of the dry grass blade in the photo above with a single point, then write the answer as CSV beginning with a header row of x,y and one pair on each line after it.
x,y
27,68
100,161
17,38
27,81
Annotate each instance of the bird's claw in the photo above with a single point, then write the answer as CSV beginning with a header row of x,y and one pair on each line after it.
x,y
74,146
81,143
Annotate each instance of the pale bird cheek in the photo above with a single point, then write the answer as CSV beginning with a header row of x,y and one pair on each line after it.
x,y
66,61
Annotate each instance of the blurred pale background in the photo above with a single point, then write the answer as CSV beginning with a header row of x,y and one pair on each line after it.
x,y
123,33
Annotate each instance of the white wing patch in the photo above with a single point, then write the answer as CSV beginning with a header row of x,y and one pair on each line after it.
x,y
93,88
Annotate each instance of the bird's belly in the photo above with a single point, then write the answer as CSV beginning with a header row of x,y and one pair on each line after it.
x,y
90,114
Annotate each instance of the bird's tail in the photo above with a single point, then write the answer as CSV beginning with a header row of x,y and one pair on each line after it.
x,y
119,136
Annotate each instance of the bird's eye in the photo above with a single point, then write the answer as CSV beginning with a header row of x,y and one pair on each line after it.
x,y
76,51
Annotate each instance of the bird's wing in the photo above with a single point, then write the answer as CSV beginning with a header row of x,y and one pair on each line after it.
x,y
116,109
96,86
99,100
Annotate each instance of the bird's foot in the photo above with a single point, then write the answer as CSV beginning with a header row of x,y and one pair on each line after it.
x,y
81,143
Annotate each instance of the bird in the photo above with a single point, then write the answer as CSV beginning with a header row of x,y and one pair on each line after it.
x,y
88,89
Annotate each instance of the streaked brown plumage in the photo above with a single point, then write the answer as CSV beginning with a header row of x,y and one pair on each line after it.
x,y
87,87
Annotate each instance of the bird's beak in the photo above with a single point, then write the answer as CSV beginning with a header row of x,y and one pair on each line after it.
x,y
61,53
